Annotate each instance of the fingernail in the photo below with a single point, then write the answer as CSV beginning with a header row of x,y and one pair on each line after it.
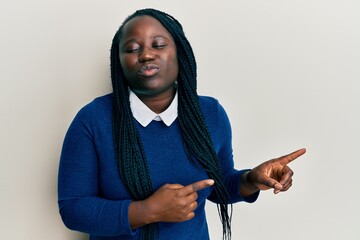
x,y
210,182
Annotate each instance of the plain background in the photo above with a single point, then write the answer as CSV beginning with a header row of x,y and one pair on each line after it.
x,y
287,72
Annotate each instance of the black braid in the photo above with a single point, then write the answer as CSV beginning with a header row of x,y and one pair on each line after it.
x,y
129,150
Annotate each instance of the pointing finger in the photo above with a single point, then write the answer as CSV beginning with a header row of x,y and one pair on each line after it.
x,y
197,186
292,156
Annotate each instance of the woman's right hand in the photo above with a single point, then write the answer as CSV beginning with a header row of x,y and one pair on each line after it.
x,y
170,203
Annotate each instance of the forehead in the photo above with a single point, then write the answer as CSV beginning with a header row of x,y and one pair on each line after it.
x,y
142,26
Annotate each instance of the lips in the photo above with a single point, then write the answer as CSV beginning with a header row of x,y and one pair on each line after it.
x,y
148,70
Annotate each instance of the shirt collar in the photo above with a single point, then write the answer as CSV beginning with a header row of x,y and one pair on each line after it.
x,y
145,115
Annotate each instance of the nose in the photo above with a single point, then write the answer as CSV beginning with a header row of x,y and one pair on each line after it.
x,y
146,55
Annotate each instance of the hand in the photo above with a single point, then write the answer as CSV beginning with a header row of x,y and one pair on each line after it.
x,y
170,203
274,173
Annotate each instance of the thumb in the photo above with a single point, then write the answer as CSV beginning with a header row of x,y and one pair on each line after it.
x,y
271,183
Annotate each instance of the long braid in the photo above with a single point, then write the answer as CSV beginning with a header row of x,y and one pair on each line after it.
x,y
129,151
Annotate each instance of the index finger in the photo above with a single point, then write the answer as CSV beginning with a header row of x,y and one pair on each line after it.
x,y
197,186
292,156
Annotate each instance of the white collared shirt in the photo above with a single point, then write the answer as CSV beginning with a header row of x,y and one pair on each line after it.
x,y
145,115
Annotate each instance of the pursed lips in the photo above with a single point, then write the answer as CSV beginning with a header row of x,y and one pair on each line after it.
x,y
148,70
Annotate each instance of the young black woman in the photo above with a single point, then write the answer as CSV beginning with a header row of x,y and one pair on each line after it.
x,y
140,163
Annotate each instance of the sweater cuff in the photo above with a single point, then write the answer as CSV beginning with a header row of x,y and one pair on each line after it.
x,y
124,216
253,197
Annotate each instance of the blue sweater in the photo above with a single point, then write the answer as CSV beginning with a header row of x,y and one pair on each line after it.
x,y
92,198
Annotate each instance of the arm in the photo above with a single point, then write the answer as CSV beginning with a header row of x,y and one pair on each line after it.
x,y
81,204
222,135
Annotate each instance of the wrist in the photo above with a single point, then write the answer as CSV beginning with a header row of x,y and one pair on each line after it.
x,y
140,214
247,187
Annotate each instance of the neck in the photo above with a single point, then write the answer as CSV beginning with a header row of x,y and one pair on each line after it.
x,y
158,103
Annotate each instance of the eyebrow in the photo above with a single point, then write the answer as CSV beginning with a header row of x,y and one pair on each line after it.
x,y
161,36
128,41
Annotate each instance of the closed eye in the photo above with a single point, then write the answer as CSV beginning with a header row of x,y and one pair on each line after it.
x,y
131,50
159,46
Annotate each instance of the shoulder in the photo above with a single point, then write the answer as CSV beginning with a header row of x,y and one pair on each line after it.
x,y
101,103
99,108
210,106
207,100
217,120
208,103
213,111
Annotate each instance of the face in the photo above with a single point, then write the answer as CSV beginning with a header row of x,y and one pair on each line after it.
x,y
148,57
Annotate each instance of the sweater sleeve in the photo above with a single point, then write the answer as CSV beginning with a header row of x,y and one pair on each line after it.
x,y
231,175
81,205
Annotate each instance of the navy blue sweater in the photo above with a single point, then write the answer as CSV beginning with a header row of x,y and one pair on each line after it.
x,y
91,196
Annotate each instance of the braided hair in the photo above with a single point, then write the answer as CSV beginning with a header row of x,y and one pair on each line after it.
x,y
129,151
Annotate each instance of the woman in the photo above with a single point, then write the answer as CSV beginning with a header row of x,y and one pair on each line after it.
x,y
140,163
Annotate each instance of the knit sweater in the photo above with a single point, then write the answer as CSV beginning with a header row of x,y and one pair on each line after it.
x,y
91,196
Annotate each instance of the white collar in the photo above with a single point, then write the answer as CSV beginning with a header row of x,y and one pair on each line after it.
x,y
145,115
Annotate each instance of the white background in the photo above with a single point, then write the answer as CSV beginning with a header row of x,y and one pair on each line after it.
x,y
287,72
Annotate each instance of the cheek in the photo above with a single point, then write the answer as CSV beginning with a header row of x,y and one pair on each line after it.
x,y
126,64
173,65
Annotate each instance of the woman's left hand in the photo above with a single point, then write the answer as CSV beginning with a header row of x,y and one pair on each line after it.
x,y
274,173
